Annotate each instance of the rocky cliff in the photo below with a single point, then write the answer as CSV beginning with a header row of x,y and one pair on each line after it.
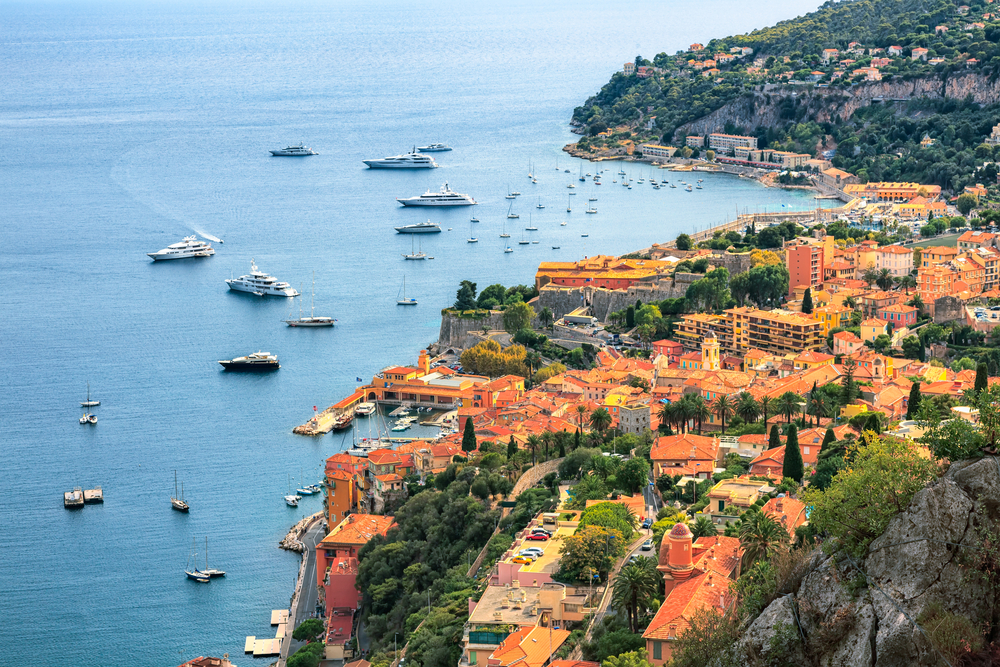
x,y
912,566
765,106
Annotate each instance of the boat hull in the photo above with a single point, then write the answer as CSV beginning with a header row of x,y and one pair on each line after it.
x,y
195,575
249,368
310,322
161,257
378,164
416,201
416,230
239,287
179,505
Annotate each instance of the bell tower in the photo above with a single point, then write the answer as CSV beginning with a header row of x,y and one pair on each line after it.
x,y
710,352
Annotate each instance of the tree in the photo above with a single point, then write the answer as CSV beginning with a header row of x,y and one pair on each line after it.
x,y
517,316
308,630
906,282
870,275
683,242
545,318
632,477
847,382
982,379
792,465
765,409
532,442
466,296
590,548
723,407
704,527
965,203
774,439
469,436
761,537
862,498
884,279
629,659
600,420
913,403
635,586
828,439
807,302
747,407
511,448
911,347
788,403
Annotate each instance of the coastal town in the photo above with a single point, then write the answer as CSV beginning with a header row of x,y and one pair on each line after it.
x,y
644,437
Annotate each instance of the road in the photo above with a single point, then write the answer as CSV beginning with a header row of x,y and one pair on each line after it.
x,y
306,604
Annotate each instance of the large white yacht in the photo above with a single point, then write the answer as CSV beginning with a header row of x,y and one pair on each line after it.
x,y
434,148
445,197
411,160
189,247
294,151
419,228
259,283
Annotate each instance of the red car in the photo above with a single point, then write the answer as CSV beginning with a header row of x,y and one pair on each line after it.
x,y
537,536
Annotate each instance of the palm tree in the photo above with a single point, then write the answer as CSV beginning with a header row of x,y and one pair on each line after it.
x,y
765,409
761,537
704,527
723,407
884,279
870,275
818,406
533,359
851,303
547,439
917,303
600,420
906,282
532,443
581,410
747,407
634,586
667,414
697,408
788,403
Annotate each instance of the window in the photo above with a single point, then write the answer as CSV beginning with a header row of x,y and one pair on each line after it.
x,y
657,650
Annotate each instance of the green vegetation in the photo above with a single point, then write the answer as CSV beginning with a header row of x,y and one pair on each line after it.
x,y
308,630
307,656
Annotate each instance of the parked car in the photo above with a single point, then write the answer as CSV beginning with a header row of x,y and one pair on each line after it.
x,y
536,550
537,536
647,545
527,560
646,523
541,530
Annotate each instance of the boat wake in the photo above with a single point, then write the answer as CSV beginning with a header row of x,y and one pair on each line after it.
x,y
207,236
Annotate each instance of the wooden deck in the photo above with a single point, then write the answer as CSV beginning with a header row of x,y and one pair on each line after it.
x,y
248,646
279,616
266,647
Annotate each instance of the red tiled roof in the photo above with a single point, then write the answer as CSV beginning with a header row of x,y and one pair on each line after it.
x,y
686,446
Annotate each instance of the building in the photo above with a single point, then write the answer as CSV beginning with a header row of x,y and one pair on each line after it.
x,y
528,647
634,417
976,239
726,143
937,255
892,192
845,342
837,178
697,575
731,496
994,138
602,271
895,50
337,559
789,512
899,315
832,317
805,266
830,54
741,329
696,47
897,259
694,141
686,454
655,150
628,69
918,53
871,329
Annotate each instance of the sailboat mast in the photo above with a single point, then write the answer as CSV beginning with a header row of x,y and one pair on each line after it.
x,y
175,484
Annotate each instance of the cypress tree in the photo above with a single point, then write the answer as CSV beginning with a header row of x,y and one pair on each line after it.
x,y
981,377
469,436
774,440
913,404
807,302
828,438
922,353
576,439
562,448
630,317
792,466
511,448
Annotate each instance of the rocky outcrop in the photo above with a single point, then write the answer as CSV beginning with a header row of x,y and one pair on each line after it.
x,y
293,540
456,332
911,565
771,106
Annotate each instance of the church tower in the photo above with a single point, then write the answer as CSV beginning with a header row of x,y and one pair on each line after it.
x,y
710,353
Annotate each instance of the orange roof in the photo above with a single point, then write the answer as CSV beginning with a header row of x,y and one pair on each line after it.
x,y
392,477
530,647
786,511
811,357
701,591
357,529
896,249
401,370
686,446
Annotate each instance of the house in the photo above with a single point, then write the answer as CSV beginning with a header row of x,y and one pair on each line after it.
x,y
769,464
696,47
899,315
789,512
337,558
830,54
895,50
528,647
918,53
685,454
977,239
628,69
697,575
872,329
730,496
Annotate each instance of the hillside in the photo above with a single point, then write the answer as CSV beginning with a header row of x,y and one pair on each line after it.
x,y
868,79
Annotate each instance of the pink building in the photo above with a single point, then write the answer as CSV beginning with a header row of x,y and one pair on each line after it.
x,y
899,315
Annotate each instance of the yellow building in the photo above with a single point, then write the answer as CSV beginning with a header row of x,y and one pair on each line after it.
x,y
894,192
740,329
872,329
832,317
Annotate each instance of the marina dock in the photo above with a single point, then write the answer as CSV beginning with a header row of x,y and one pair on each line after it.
x,y
269,647
93,496
73,499
324,421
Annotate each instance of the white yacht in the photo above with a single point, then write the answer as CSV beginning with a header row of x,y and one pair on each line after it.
x,y
294,151
259,283
190,246
445,197
434,148
419,228
364,409
412,160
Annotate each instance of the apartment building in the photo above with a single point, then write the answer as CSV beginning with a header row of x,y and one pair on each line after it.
x,y
805,266
725,143
741,329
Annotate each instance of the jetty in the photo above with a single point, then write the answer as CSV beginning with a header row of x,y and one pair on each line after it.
x,y
73,499
265,647
325,421
93,496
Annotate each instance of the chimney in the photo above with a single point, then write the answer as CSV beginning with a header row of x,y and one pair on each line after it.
x,y
780,505
672,632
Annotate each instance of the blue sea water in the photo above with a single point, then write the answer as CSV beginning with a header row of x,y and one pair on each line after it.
x,y
125,126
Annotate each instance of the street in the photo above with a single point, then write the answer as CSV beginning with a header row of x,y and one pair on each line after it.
x,y
306,604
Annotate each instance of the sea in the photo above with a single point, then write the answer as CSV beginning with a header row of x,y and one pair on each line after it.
x,y
125,126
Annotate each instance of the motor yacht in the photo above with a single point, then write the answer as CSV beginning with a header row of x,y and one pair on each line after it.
x,y
419,228
253,363
189,246
294,151
412,160
444,197
259,283
434,148
364,409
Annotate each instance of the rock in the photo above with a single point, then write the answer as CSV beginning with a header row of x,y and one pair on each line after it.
x,y
755,644
980,480
838,628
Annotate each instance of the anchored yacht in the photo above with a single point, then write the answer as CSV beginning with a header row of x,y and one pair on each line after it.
x,y
412,160
294,151
259,283
253,363
445,197
190,246
434,148
419,228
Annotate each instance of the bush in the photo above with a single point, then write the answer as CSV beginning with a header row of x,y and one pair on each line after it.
x,y
308,629
307,656
951,634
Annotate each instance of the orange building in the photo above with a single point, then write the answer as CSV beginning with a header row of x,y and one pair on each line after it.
x,y
805,266
337,558
789,512
343,486
894,192
686,454
601,271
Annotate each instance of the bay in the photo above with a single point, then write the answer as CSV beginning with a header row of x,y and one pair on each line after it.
x,y
126,126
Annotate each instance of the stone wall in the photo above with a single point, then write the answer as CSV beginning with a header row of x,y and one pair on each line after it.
x,y
562,300
455,331
948,309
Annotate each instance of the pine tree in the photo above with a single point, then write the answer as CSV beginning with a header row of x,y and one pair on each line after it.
x,y
511,448
913,404
807,302
981,377
775,438
469,436
792,466
828,439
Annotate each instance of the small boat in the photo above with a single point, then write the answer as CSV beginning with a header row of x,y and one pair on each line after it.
x,y
516,193
89,403
672,185
508,249
698,187
584,235
88,418
566,171
433,148
510,196
473,219
211,571
534,243
73,500
404,301
177,502
540,205
193,573
400,427
472,240
342,421
555,247
591,210
364,409
531,227
294,151
305,491
592,199
688,188
570,186
291,500
562,224
510,214
503,231
534,180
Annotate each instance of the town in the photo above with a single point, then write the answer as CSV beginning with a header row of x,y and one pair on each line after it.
x,y
639,453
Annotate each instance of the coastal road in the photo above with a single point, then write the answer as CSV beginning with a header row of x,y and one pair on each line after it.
x,y
306,604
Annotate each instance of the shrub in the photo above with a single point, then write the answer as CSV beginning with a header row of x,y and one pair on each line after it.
x,y
308,629
951,634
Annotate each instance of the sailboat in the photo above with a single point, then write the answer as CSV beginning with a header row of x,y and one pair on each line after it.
x,y
89,403
414,254
511,214
88,418
178,502
531,227
523,240
211,571
540,205
312,320
404,301
503,231
194,573
569,209
581,173
291,500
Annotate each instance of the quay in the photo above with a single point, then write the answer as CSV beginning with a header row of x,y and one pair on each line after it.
x,y
324,422
93,496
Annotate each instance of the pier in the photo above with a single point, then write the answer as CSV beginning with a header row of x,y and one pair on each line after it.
x,y
73,499
269,647
93,496
325,421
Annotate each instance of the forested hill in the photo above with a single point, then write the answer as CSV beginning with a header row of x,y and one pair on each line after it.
x,y
835,53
